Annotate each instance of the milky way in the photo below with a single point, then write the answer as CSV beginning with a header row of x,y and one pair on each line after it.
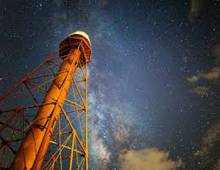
x,y
154,75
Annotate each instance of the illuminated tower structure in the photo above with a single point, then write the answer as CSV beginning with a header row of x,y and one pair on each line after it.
x,y
43,118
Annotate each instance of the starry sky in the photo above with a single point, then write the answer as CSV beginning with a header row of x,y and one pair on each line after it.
x,y
154,75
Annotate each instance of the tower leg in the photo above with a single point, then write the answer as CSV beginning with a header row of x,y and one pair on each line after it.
x,y
33,148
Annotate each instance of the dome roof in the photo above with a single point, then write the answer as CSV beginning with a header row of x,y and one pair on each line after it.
x,y
82,34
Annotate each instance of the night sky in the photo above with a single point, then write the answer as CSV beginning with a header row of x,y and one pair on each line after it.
x,y
154,76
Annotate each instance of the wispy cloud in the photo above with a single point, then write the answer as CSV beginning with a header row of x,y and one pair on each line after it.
x,y
148,159
209,147
196,8
216,52
212,74
209,140
103,3
200,90
217,165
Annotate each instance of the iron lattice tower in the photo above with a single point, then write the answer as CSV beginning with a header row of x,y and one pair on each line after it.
x,y
43,118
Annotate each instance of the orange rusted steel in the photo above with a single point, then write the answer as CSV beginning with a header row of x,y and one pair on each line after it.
x,y
74,49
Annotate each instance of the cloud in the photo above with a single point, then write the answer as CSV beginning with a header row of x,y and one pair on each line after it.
x,y
202,91
148,159
216,52
209,155
217,166
196,8
210,139
193,79
212,74
103,3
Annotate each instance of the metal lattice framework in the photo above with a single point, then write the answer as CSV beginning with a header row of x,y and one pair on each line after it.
x,y
68,146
